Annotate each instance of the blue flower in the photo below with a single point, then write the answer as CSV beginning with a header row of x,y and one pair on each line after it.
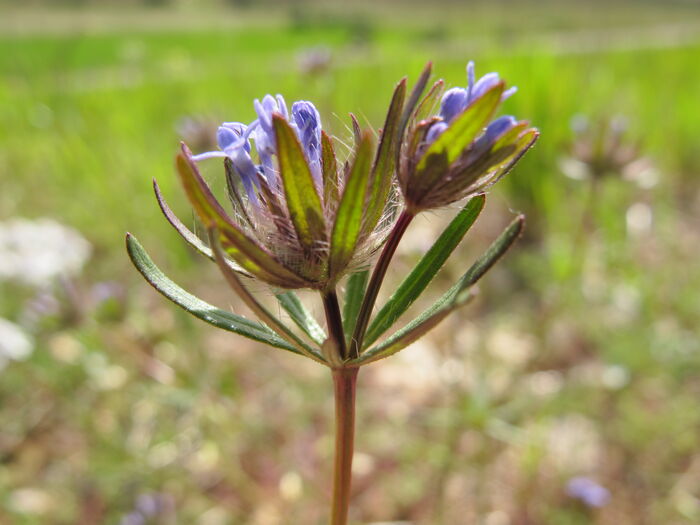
x,y
457,99
234,141
308,126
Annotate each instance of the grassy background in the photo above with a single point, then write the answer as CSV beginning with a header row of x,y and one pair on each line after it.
x,y
581,356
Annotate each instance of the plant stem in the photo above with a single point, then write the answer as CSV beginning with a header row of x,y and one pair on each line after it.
x,y
376,281
344,382
334,320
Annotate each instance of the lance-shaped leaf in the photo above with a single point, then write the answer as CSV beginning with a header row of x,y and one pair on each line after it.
x,y
330,172
354,294
383,169
426,269
251,302
413,98
200,309
348,218
456,296
356,129
414,330
456,138
247,252
301,316
303,202
186,233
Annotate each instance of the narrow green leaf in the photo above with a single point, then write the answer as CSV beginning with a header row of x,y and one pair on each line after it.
x,y
384,163
348,218
354,294
204,311
247,252
426,269
301,316
186,233
330,172
414,330
249,299
459,294
303,201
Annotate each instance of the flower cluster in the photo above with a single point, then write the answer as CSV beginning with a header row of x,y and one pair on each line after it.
x,y
299,217
460,151
290,228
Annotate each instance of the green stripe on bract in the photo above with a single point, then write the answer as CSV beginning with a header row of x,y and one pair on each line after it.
x,y
245,251
330,172
426,269
383,170
348,219
303,201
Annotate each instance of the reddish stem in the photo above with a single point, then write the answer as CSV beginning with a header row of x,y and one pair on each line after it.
x,y
344,381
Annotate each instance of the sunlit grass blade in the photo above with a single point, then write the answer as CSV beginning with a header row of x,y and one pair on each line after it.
x,y
426,269
383,169
303,201
455,297
197,307
247,252
354,293
348,219
301,316
258,309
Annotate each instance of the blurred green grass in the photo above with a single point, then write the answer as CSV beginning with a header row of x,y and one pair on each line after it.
x,y
91,103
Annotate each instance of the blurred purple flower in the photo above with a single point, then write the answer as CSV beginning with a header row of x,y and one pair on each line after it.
x,y
588,491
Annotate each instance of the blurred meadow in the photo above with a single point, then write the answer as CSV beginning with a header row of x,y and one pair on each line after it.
x,y
578,364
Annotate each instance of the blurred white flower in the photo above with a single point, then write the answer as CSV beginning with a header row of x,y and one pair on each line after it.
x,y
15,343
36,252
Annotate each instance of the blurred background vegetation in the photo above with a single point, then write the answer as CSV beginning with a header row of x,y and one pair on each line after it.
x,y
580,360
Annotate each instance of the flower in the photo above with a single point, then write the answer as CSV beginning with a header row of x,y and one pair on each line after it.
x,y
299,219
15,343
588,491
460,151
40,251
